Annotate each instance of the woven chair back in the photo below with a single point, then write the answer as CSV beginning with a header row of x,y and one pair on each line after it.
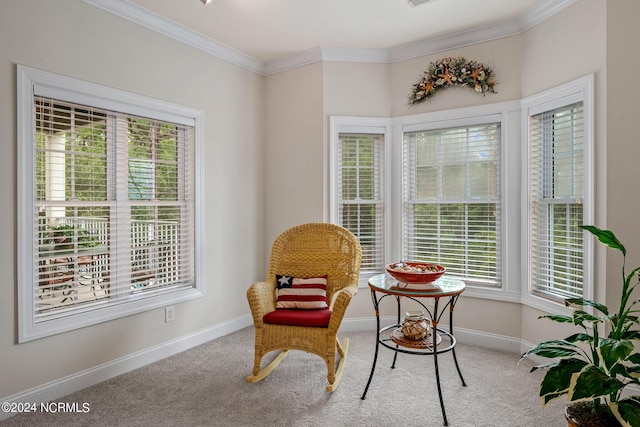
x,y
317,249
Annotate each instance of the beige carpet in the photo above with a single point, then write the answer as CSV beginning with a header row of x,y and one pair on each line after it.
x,y
205,386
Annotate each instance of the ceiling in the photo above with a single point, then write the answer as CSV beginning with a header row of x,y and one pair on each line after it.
x,y
270,30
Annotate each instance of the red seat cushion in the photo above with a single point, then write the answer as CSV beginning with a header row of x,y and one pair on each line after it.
x,y
319,318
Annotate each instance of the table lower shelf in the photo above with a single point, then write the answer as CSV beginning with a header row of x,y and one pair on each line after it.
x,y
425,343
395,341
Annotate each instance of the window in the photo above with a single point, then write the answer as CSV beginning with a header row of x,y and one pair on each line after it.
x,y
560,191
360,194
451,210
108,209
358,184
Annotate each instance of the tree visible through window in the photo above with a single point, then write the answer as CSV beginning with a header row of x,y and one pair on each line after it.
x,y
556,199
360,194
108,209
84,206
451,212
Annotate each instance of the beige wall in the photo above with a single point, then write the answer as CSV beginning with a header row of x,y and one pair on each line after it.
x,y
504,55
294,158
72,38
567,46
356,88
623,143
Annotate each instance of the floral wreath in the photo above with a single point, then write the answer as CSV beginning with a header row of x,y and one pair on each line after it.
x,y
449,72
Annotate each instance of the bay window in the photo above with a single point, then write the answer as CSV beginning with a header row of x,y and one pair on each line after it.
x,y
495,193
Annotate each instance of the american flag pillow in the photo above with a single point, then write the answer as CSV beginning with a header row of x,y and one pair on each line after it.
x,y
305,293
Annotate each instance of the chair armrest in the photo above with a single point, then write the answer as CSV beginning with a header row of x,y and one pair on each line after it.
x,y
261,297
339,304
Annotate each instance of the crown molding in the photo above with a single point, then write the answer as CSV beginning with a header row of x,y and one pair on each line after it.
x,y
153,21
518,25
310,56
541,12
321,54
131,11
454,41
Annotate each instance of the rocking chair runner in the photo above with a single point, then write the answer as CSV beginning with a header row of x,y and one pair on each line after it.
x,y
308,250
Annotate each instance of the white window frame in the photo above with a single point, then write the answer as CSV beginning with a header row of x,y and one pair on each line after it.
x,y
410,178
508,114
32,82
581,89
359,125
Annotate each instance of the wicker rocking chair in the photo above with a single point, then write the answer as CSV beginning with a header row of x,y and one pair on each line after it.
x,y
304,251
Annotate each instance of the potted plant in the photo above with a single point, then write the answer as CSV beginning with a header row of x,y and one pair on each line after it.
x,y
591,369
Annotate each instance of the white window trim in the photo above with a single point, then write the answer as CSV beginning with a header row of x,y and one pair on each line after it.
x,y
73,90
364,125
580,89
508,113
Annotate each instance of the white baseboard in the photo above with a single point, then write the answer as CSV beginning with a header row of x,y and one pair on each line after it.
x,y
80,380
83,379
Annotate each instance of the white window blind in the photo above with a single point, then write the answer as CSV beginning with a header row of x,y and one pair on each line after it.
x,y
556,199
114,219
451,212
360,194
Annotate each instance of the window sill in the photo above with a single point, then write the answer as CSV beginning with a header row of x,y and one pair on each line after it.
x,y
29,331
545,305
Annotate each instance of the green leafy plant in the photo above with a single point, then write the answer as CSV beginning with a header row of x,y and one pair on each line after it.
x,y
62,237
591,367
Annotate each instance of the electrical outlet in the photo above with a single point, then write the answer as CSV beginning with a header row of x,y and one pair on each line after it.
x,y
169,314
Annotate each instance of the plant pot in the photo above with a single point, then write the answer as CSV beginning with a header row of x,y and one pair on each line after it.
x,y
571,422
585,414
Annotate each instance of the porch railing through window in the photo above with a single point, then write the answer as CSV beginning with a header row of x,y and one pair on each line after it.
x,y
74,264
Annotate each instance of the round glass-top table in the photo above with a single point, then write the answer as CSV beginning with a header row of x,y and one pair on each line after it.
x,y
439,341
443,287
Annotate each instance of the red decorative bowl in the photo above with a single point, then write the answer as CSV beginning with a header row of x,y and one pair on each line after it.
x,y
415,272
